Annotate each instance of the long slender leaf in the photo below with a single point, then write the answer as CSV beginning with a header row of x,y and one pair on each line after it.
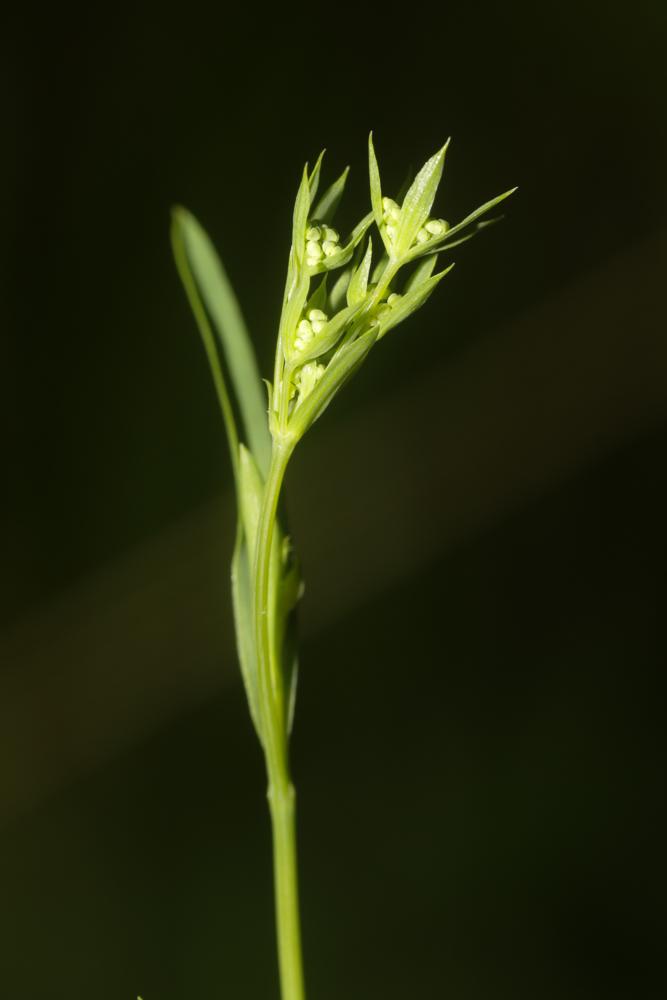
x,y
356,290
376,186
410,302
300,217
342,366
419,199
314,179
197,255
421,273
442,242
243,626
325,209
208,339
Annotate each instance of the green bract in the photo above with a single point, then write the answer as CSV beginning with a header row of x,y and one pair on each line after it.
x,y
328,326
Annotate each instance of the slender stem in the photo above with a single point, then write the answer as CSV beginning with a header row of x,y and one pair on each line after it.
x,y
281,793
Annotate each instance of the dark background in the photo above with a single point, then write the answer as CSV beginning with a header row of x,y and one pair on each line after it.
x,y
480,747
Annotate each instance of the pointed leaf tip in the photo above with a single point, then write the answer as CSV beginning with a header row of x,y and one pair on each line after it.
x,y
376,187
418,201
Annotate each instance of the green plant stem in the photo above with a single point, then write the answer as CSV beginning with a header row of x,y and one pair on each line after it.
x,y
281,795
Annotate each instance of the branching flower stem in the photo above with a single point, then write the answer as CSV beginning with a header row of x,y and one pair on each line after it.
x,y
324,335
281,792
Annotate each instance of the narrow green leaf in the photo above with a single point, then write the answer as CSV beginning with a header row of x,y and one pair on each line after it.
x,y
314,179
339,290
208,338
326,207
420,274
285,638
482,210
405,185
205,279
292,311
379,269
418,201
251,491
356,290
442,242
342,366
244,627
376,187
318,299
409,303
428,249
291,668
300,217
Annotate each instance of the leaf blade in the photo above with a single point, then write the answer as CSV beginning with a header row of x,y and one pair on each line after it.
x,y
376,186
325,209
356,290
419,199
216,293
243,627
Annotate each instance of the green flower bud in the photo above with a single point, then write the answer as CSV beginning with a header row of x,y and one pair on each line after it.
x,y
330,248
313,250
316,314
330,235
391,210
423,236
307,379
393,299
436,227
313,233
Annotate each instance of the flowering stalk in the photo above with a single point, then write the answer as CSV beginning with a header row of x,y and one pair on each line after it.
x,y
338,304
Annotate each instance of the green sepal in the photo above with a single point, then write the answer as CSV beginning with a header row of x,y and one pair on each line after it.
x,y
409,303
325,209
418,201
356,290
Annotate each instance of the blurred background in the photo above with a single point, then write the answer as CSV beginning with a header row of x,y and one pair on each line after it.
x,y
480,743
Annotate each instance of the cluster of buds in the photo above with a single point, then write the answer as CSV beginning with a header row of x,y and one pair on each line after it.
x,y
391,216
307,378
309,327
322,341
321,241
